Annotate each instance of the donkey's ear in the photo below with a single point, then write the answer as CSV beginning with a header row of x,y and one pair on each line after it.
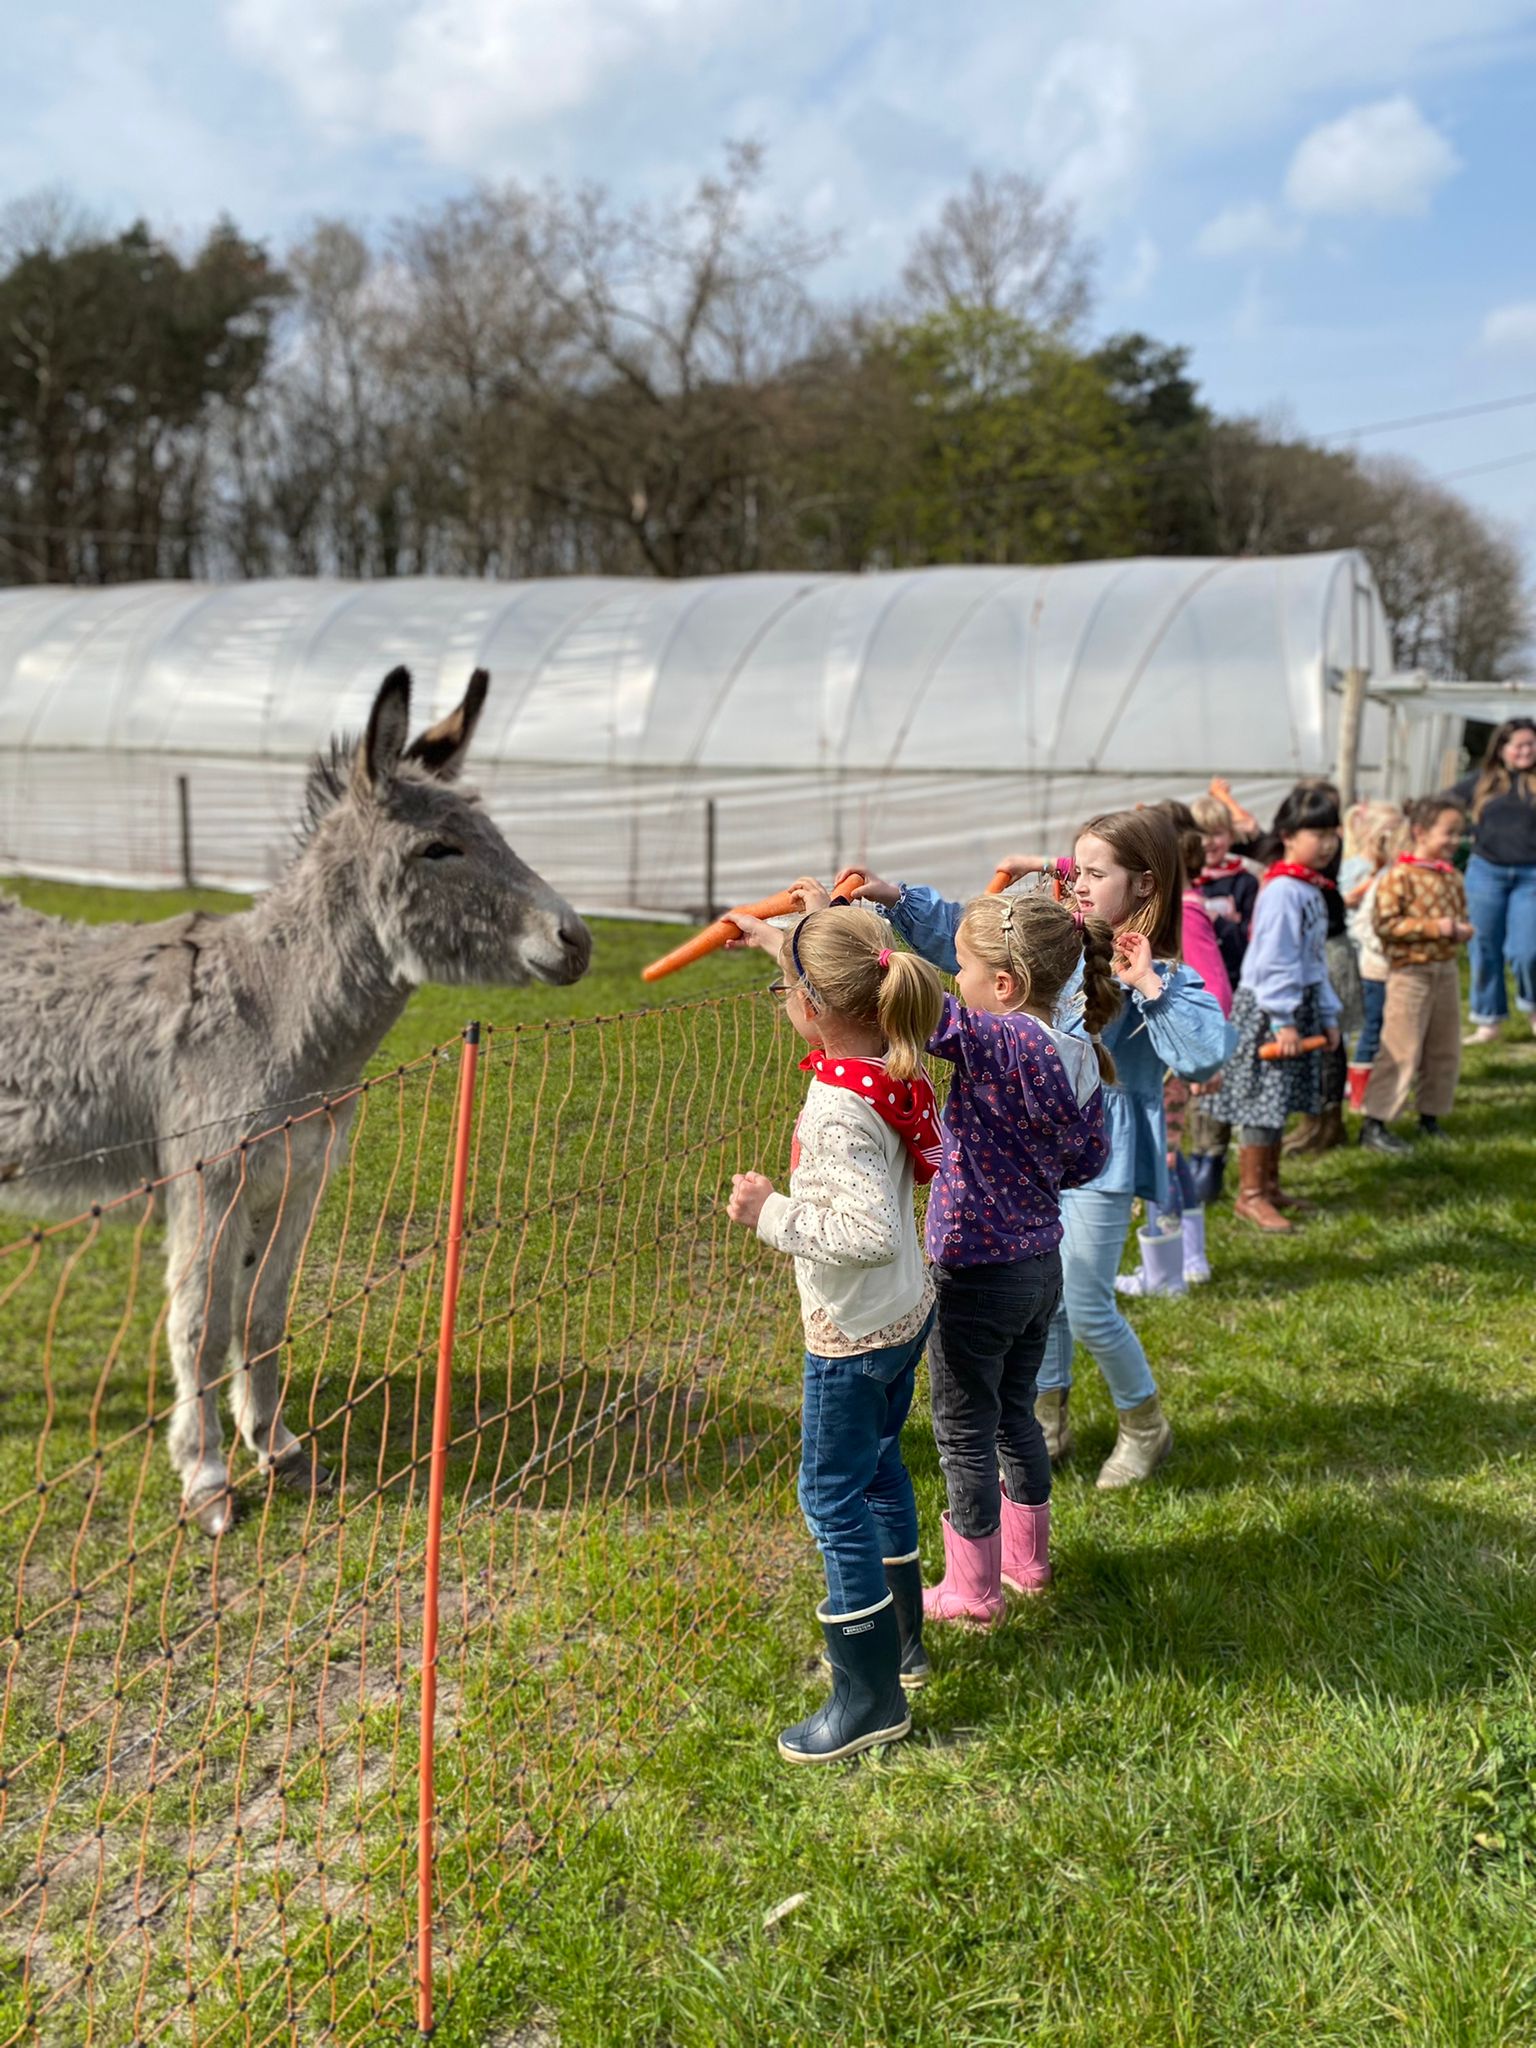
x,y
389,722
442,747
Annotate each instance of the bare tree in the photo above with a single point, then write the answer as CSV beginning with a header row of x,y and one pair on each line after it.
x,y
1003,246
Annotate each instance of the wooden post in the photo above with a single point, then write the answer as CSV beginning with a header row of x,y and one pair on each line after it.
x,y
184,806
1350,715
442,1410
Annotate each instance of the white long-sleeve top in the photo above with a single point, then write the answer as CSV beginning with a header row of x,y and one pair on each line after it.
x,y
848,1218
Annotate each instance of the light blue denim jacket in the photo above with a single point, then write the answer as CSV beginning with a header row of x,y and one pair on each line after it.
x,y
1181,1030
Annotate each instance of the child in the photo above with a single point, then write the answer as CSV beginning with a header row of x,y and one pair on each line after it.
x,y
1373,834
1421,920
1172,1246
1126,870
1024,1119
1229,887
1284,995
868,1130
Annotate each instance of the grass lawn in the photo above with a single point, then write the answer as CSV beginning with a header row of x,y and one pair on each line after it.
x,y
1261,1767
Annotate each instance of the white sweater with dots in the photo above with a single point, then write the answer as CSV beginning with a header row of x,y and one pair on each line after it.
x,y
848,1219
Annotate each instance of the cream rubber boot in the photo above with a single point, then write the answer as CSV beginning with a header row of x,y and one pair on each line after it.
x,y
1051,1414
1143,1442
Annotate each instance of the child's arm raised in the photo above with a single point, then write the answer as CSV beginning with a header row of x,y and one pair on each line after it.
x,y
1183,1019
925,919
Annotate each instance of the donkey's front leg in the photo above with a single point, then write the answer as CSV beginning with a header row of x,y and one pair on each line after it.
x,y
263,1281
198,1330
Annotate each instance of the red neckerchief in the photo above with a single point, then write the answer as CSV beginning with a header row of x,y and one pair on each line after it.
x,y
1227,869
1417,860
1298,871
910,1107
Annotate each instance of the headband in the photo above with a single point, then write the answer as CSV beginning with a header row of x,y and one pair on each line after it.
x,y
794,953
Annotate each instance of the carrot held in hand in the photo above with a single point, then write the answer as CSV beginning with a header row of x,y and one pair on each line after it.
x,y
1272,1050
1003,879
716,935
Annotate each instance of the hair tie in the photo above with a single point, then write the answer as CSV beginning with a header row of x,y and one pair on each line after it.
x,y
884,960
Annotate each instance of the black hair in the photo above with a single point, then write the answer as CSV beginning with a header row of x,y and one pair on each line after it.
x,y
1307,810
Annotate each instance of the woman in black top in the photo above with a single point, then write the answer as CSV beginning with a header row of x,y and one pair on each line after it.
x,y
1501,876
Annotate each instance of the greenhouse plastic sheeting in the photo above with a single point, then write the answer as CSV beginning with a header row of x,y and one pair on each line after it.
x,y
922,722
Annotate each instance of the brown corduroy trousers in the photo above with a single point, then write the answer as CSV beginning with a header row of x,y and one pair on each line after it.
x,y
1420,1042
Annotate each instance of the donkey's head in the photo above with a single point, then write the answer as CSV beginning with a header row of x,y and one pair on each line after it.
x,y
447,898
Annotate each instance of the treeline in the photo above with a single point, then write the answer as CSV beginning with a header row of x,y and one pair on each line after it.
x,y
528,383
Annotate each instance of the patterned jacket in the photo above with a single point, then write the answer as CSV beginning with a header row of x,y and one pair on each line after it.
x,y
1411,900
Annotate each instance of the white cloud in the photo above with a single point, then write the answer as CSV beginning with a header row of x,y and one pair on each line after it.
x,y
1383,158
1250,228
1511,328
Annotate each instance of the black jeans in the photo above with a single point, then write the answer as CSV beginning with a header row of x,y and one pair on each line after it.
x,y
983,1355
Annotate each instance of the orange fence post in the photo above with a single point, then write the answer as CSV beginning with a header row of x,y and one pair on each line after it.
x,y
441,1424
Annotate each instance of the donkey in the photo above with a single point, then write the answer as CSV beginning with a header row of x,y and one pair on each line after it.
x,y
129,1053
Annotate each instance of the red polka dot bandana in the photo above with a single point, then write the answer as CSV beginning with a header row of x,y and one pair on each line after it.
x,y
910,1107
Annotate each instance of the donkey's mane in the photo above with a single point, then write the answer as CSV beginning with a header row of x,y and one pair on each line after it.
x,y
326,784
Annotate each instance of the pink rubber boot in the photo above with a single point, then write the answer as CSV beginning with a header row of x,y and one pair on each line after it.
x,y
1026,1534
971,1590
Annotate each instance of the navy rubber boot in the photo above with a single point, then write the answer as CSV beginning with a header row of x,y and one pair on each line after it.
x,y
867,1706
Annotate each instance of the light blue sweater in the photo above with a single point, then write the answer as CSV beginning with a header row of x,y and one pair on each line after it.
x,y
1288,952
1181,1030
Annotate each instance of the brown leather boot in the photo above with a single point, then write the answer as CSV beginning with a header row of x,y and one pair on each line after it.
x,y
1333,1132
1253,1203
1305,1135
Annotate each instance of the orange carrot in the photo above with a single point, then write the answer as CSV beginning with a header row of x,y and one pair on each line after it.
x,y
1272,1050
850,880
716,935
1002,880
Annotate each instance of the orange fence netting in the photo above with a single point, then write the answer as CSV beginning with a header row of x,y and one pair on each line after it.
x,y
219,1763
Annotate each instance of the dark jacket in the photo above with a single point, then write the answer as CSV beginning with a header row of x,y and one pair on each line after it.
x,y
1506,832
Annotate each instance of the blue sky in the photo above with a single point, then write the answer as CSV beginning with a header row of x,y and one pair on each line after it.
x,y
1332,204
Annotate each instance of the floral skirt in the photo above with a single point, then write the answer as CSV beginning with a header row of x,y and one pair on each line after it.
x,y
1266,1092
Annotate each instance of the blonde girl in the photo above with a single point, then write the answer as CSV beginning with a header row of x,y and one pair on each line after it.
x,y
867,1133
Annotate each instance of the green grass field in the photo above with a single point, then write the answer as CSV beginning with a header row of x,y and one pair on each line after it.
x,y
1261,1767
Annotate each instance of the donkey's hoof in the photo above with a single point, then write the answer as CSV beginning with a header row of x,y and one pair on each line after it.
x,y
213,1512
296,1471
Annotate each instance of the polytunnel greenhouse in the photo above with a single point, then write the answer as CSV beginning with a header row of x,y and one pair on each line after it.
x,y
655,746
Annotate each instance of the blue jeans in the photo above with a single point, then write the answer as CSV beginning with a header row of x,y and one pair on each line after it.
x,y
855,1492
1368,1044
1501,902
1094,1226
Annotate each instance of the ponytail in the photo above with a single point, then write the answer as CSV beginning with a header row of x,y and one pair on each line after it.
x,y
910,1003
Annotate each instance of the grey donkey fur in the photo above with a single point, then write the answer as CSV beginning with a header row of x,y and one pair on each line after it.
x,y
111,1034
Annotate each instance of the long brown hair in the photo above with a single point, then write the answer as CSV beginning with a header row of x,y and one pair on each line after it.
x,y
1039,942
1146,843
1493,778
1191,839
840,959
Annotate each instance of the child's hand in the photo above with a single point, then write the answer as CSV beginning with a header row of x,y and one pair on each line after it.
x,y
809,894
1288,1043
749,1191
1333,1037
1462,931
1133,964
1021,864
766,938
874,889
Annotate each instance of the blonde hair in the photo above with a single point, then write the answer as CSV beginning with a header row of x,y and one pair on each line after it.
x,y
1039,942
839,952
1211,815
1374,830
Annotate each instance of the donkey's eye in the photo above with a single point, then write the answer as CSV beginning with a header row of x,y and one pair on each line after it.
x,y
440,849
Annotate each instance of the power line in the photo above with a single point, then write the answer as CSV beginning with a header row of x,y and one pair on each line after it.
x,y
1430,419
